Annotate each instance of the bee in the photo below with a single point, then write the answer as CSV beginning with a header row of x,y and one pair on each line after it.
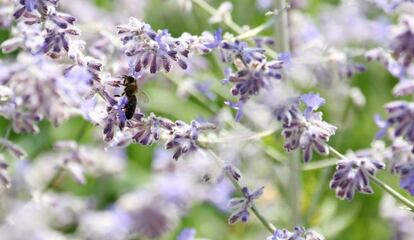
x,y
131,92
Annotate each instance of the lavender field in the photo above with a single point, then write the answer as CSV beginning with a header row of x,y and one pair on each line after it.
x,y
206,119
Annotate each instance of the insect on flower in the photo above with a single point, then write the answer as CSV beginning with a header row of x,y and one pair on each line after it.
x,y
131,92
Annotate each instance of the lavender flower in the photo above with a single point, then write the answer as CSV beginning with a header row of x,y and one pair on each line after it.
x,y
251,78
149,215
53,28
57,42
13,149
401,117
231,50
381,55
299,233
406,172
307,130
150,49
34,5
349,69
149,130
353,174
402,44
184,137
187,234
401,161
243,204
34,81
404,87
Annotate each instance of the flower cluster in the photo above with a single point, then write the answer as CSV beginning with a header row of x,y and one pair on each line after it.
x,y
401,161
400,117
184,137
154,50
353,173
299,233
41,89
306,130
52,78
14,150
251,78
53,29
147,130
402,44
243,204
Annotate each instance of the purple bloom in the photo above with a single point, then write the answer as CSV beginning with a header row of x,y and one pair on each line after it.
x,y
267,41
243,204
352,174
238,106
379,54
401,161
401,118
404,87
57,42
406,172
31,5
184,137
403,43
12,148
299,233
187,234
217,39
148,130
151,50
237,49
349,69
307,130
249,80
312,101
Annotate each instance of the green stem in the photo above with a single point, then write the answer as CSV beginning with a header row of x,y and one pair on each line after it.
x,y
319,164
295,185
282,27
205,6
381,184
255,136
255,31
393,193
268,225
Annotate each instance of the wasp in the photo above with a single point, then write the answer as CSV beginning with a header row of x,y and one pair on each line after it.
x,y
133,93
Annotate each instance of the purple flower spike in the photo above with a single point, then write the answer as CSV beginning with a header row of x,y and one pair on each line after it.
x,y
352,174
306,129
243,204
